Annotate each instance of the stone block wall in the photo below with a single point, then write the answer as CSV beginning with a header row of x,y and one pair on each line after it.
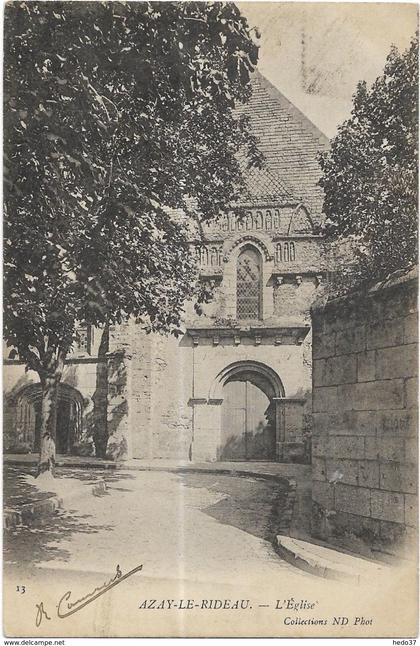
x,y
149,388
172,376
364,445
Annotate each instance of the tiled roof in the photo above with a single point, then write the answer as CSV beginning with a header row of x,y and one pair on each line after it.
x,y
264,185
290,143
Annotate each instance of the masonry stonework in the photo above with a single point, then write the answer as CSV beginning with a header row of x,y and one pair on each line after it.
x,y
365,414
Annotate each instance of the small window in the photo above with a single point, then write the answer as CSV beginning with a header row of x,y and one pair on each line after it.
x,y
85,339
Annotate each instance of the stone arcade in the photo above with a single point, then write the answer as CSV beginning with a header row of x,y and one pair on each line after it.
x,y
237,384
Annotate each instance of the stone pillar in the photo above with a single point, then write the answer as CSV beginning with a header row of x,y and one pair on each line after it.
x,y
206,429
289,428
280,426
118,371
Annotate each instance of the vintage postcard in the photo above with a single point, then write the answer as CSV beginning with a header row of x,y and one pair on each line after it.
x,y
210,319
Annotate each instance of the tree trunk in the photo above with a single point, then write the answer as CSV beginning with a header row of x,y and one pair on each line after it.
x,y
49,385
48,425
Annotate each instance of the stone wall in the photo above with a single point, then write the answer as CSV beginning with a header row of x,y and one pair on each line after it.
x,y
364,447
150,385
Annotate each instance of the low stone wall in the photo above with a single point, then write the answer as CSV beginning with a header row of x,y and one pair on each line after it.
x,y
364,445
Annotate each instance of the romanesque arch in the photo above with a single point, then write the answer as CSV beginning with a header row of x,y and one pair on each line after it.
x,y
25,407
240,367
264,246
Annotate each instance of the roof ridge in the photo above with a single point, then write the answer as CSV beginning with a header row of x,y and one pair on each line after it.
x,y
277,95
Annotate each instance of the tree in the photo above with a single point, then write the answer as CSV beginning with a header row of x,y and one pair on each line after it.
x,y
370,174
118,116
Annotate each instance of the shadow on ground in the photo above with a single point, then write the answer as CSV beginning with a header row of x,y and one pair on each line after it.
x,y
31,545
253,505
17,491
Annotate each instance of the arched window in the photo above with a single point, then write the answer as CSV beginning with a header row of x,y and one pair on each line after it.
x,y
279,255
249,284
286,252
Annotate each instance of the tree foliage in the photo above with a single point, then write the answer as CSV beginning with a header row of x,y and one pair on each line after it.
x,y
370,174
118,116
115,116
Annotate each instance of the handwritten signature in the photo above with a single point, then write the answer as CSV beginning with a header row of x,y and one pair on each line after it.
x,y
40,613
65,607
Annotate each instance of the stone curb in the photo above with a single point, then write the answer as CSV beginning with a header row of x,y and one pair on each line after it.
x,y
32,511
66,465
324,562
144,466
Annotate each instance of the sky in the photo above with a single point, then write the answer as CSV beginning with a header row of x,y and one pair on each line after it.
x,y
315,53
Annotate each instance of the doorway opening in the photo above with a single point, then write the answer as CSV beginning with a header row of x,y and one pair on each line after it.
x,y
249,420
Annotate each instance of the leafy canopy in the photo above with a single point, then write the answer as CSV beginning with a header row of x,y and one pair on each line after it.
x,y
117,117
370,175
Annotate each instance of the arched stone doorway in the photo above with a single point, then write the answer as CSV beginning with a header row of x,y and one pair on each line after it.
x,y
251,420
69,417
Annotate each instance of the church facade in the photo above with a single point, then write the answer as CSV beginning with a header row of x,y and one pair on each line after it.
x,y
237,384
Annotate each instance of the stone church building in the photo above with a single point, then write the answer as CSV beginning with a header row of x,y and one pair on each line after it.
x,y
237,384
